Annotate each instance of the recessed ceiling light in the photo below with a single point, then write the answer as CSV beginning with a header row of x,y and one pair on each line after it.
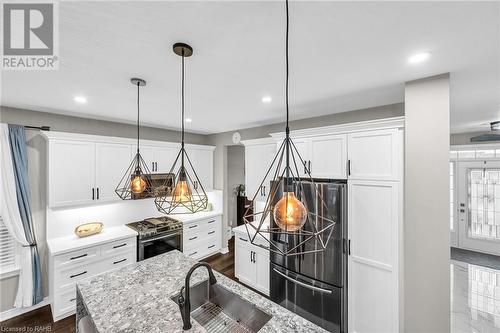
x,y
419,57
266,99
188,120
80,99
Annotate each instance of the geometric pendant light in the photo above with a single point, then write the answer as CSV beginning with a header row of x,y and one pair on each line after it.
x,y
288,221
135,183
188,194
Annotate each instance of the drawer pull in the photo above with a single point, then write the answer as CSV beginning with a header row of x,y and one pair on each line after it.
x,y
211,232
78,257
243,239
72,276
121,245
211,246
192,254
72,300
192,238
192,226
119,261
211,221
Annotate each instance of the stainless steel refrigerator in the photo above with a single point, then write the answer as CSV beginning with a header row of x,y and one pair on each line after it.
x,y
314,285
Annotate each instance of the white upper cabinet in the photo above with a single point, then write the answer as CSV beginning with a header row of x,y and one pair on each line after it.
x,y
374,155
159,159
202,160
71,172
164,158
328,156
112,160
85,169
258,158
147,153
323,156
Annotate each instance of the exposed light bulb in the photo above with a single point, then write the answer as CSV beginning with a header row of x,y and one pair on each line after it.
x,y
138,185
289,213
182,191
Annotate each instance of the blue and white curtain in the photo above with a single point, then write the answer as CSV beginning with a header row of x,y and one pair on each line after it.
x,y
16,212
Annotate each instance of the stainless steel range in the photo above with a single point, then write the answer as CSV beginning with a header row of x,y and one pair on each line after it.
x,y
157,235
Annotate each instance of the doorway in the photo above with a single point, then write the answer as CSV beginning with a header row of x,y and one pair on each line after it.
x,y
478,206
235,177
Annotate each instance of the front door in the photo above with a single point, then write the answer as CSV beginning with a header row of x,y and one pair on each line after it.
x,y
479,206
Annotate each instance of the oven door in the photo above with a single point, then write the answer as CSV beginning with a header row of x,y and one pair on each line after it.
x,y
157,245
318,302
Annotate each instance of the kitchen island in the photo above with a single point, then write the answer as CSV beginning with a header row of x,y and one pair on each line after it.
x,y
137,298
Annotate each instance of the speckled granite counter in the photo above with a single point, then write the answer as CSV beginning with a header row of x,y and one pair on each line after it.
x,y
136,298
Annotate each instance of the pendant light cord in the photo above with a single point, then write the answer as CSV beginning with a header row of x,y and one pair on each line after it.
x,y
182,112
138,110
287,140
286,68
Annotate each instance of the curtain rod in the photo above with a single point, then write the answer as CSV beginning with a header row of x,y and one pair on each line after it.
x,y
41,128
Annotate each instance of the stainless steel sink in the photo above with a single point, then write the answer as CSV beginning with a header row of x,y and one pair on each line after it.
x,y
220,310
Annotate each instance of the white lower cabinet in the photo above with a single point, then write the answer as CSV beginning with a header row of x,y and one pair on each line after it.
x,y
251,263
68,268
202,238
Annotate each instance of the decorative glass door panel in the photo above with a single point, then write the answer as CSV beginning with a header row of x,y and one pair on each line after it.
x,y
479,205
484,203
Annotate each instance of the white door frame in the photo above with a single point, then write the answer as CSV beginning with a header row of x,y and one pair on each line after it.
x,y
475,244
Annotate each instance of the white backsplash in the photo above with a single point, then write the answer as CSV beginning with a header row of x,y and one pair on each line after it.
x,y
63,221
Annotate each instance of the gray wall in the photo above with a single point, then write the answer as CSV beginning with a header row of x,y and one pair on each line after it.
x,y
223,140
37,168
426,224
62,123
235,176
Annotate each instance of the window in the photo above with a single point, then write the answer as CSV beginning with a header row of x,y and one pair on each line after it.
x,y
8,251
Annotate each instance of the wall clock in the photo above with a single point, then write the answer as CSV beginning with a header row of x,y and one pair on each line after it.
x,y
236,138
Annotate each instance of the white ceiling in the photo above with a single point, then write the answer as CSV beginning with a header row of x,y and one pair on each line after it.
x,y
344,56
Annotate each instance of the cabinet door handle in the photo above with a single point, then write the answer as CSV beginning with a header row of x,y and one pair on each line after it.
x,y
193,238
251,256
348,167
192,254
73,299
152,166
305,167
119,261
264,188
93,194
211,221
309,167
156,166
118,246
192,226
78,257
243,239
211,232
349,247
98,193
211,246
75,275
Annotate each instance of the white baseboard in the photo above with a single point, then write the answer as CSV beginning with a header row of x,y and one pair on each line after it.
x,y
14,312
224,250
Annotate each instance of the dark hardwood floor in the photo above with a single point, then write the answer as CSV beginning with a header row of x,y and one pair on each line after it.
x,y
40,320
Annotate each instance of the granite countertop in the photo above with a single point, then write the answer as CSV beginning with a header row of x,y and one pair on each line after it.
x,y
136,298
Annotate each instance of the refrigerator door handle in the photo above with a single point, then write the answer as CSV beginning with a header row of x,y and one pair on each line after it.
x,y
305,285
